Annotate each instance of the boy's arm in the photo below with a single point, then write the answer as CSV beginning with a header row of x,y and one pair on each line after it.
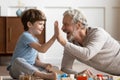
x,y
44,47
39,63
47,66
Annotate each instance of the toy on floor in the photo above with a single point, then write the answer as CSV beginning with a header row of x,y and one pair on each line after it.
x,y
84,75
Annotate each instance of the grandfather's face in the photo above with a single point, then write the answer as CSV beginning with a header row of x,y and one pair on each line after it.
x,y
68,27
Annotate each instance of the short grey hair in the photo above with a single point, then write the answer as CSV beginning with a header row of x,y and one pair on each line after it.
x,y
76,15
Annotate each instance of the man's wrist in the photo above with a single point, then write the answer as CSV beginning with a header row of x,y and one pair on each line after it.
x,y
63,42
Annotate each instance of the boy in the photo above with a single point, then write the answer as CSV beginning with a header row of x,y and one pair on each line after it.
x,y
25,59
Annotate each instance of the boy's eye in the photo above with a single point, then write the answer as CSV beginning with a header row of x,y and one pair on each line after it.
x,y
41,24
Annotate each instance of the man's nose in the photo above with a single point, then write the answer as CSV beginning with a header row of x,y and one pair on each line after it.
x,y
63,29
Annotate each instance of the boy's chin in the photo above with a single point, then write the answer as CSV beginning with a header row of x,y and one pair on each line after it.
x,y
39,33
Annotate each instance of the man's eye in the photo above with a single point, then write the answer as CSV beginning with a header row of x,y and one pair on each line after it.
x,y
65,24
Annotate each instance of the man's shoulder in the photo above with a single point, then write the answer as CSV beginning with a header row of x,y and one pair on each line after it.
x,y
95,29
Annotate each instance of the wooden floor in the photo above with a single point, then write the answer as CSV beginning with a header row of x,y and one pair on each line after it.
x,y
78,67
3,71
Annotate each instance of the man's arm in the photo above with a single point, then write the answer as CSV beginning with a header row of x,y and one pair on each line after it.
x,y
67,63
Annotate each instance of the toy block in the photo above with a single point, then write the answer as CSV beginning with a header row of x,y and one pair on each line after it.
x,y
66,78
82,78
116,77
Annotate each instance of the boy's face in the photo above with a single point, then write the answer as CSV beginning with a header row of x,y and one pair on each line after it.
x,y
37,27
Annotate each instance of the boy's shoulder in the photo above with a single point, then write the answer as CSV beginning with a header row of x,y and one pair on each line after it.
x,y
26,33
26,36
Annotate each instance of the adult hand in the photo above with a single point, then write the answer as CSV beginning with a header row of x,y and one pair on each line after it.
x,y
86,72
60,38
56,29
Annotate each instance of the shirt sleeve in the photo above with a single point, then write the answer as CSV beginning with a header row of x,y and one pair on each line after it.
x,y
94,45
28,38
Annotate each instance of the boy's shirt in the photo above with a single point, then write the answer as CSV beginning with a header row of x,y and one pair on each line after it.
x,y
23,50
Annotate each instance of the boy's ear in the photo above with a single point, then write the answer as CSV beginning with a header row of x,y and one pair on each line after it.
x,y
29,24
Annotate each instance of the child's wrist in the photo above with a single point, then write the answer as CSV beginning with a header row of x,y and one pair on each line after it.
x,y
54,36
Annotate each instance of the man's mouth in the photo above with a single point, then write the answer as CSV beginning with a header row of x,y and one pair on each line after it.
x,y
68,33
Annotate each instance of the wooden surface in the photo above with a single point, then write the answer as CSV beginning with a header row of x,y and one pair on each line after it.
x,y
10,30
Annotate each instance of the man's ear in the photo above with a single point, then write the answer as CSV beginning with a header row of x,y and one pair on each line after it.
x,y
79,25
29,24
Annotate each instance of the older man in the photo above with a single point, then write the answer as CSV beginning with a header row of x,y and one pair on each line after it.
x,y
92,46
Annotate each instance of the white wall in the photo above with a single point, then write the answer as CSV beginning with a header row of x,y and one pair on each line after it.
x,y
101,13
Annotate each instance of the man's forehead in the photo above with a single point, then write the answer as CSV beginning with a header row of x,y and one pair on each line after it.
x,y
67,19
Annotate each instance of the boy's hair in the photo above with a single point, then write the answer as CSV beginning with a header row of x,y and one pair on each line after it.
x,y
32,15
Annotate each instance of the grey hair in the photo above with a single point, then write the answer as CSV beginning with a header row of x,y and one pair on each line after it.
x,y
77,16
